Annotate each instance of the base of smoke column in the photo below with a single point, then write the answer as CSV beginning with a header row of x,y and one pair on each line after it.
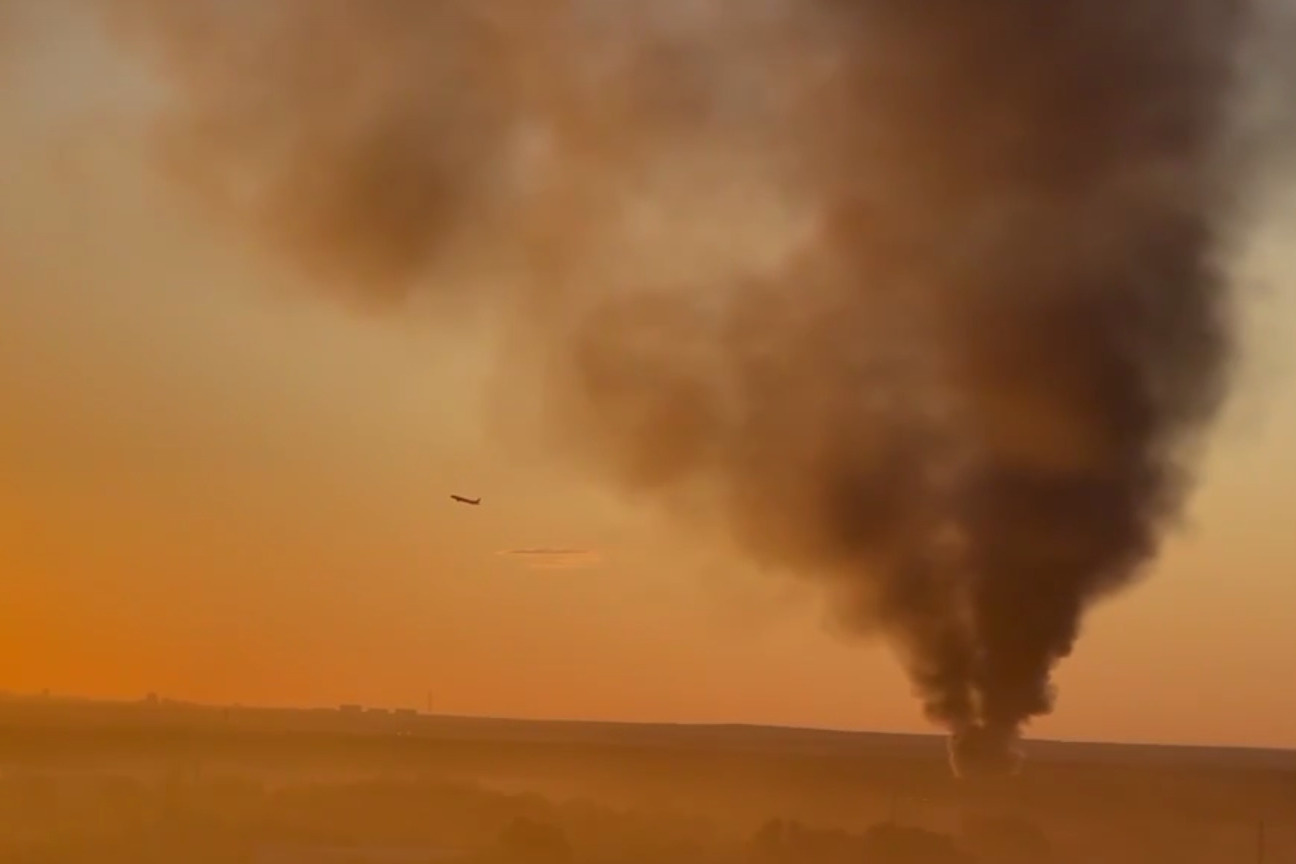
x,y
979,754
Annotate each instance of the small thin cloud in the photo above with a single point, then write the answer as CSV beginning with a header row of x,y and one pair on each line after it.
x,y
544,558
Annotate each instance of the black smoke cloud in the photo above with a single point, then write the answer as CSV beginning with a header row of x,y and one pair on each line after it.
x,y
925,299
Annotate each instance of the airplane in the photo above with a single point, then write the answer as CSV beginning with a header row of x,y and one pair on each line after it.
x,y
462,500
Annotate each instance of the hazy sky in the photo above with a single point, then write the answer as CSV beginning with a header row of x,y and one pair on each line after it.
x,y
216,488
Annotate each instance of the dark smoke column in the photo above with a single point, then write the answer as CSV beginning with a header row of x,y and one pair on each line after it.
x,y
1072,146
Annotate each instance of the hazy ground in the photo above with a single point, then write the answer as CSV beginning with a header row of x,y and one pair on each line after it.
x,y
172,783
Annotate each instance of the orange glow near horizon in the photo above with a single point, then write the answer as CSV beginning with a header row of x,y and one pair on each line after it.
x,y
214,491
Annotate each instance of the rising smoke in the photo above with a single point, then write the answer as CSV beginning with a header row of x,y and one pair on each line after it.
x,y
926,298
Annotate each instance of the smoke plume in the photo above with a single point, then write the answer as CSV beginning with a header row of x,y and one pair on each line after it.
x,y
925,299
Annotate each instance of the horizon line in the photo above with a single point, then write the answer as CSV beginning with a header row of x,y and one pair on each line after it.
x,y
6,695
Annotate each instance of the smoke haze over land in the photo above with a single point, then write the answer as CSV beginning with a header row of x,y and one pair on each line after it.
x,y
927,300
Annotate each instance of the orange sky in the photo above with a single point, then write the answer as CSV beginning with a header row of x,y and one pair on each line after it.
x,y
213,490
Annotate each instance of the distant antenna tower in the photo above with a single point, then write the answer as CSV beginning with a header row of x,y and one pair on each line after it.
x,y
429,701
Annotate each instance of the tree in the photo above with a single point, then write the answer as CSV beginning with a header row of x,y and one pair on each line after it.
x,y
1008,840
532,841
890,843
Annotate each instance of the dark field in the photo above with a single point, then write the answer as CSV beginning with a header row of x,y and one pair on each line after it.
x,y
159,782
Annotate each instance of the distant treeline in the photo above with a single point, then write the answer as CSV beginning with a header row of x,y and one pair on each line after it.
x,y
84,818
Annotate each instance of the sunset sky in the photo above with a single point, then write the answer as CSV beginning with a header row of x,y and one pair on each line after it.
x,y
215,487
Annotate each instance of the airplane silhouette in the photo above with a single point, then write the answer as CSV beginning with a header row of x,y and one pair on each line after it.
x,y
462,500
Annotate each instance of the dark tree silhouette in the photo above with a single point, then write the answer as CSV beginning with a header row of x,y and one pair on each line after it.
x,y
531,841
1009,840
890,843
